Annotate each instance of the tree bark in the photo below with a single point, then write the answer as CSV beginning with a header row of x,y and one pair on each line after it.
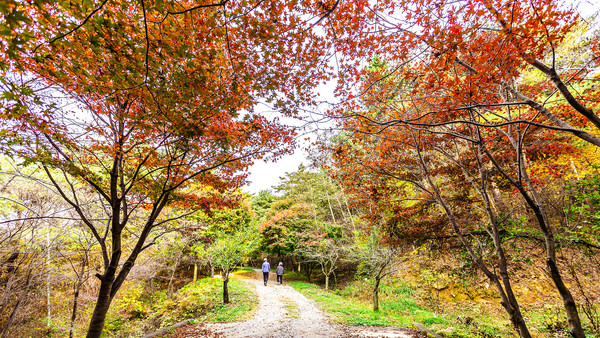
x,y
509,303
376,294
225,290
533,200
74,312
78,285
102,304
195,271
575,327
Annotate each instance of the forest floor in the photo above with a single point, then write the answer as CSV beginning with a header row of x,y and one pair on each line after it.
x,y
284,312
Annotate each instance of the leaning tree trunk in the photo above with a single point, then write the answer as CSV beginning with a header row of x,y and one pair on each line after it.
x,y
376,294
78,284
74,312
17,307
535,203
514,313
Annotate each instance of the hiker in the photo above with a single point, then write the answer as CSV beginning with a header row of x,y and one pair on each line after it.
x,y
266,268
280,273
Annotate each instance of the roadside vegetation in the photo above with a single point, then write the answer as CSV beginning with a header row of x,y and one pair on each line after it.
x,y
138,312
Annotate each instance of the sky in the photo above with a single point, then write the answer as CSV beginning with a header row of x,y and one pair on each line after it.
x,y
265,175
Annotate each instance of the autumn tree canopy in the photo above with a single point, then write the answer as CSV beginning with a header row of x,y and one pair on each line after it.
x,y
467,56
137,101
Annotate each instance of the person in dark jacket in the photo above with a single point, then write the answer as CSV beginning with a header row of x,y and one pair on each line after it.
x,y
266,268
280,273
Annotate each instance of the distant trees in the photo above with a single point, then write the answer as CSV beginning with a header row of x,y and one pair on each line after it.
x,y
310,223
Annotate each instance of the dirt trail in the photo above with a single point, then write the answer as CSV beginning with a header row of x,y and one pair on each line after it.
x,y
284,312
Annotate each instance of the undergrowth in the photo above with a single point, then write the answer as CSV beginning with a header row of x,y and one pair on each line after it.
x,y
137,311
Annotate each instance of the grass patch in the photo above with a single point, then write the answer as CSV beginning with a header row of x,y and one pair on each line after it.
x,y
243,302
400,305
350,310
291,307
244,269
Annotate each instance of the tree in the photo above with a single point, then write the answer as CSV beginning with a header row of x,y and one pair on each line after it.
x,y
467,63
230,250
412,176
285,227
33,223
164,92
374,258
262,203
327,253
469,54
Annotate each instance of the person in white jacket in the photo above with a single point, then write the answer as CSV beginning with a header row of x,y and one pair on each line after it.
x,y
266,268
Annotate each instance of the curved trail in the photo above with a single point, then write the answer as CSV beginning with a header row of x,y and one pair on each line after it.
x,y
285,312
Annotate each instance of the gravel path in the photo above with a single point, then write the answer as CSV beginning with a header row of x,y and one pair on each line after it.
x,y
284,312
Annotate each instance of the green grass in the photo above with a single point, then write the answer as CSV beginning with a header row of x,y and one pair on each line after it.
x,y
203,301
350,310
291,307
400,305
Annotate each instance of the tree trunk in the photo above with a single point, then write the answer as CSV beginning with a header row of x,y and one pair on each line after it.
x,y
376,294
225,290
78,285
74,312
195,271
18,305
102,304
536,204
307,272
48,304
509,303
326,282
575,327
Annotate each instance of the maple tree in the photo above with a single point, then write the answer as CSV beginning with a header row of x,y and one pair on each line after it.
x,y
403,179
400,169
466,63
141,100
469,54
286,225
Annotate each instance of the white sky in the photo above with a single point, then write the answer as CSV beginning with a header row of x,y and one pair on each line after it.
x,y
265,175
